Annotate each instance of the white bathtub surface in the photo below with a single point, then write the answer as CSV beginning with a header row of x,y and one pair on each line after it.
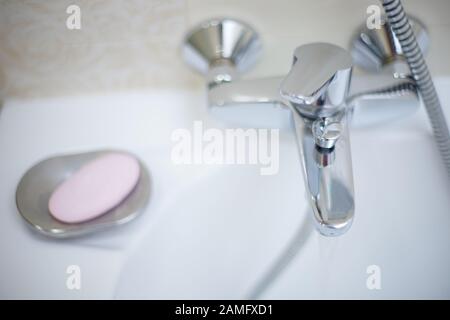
x,y
214,231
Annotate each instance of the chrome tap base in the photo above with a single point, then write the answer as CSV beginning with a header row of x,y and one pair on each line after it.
x,y
221,49
373,49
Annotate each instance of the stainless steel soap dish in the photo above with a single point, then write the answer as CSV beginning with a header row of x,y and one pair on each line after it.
x,y
38,183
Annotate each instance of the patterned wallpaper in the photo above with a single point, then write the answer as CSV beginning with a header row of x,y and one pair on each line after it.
x,y
134,44
121,44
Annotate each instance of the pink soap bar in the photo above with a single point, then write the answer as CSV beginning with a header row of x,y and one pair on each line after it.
x,y
97,187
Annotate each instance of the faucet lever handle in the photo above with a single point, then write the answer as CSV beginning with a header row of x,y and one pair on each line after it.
x,y
319,80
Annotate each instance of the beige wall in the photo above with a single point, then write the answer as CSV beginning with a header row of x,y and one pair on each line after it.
x,y
134,44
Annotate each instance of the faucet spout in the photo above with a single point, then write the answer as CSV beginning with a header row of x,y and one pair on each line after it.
x,y
328,175
317,88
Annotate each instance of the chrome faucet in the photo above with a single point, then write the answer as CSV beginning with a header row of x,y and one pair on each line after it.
x,y
318,92
316,89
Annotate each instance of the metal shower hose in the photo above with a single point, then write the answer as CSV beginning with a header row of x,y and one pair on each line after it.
x,y
400,25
